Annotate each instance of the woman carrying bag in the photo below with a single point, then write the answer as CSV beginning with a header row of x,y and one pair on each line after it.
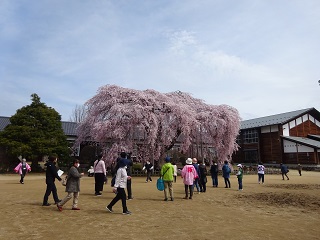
x,y
72,186
167,176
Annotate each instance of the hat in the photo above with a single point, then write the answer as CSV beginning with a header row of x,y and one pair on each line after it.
x,y
168,159
189,161
239,165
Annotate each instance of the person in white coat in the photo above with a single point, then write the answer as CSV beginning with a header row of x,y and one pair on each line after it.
x,y
119,188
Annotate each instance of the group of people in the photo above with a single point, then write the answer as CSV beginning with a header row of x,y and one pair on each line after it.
x,y
72,184
226,171
194,174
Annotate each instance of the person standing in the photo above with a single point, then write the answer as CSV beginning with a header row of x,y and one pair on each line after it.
x,y
51,175
167,176
99,175
214,174
284,170
119,188
72,187
299,169
196,180
226,174
260,169
203,176
148,168
189,174
22,168
240,176
175,171
129,173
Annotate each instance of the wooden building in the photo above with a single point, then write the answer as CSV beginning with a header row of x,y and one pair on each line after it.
x,y
291,138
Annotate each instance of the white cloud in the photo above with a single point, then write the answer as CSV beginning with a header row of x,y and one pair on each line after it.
x,y
256,56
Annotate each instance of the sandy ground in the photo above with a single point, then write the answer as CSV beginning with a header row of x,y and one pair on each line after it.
x,y
276,210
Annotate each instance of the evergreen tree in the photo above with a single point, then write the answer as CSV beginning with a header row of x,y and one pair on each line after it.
x,y
35,131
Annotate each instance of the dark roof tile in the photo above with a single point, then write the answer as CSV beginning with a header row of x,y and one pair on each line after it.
x,y
273,119
69,128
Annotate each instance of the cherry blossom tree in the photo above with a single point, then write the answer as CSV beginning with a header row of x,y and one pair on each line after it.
x,y
122,119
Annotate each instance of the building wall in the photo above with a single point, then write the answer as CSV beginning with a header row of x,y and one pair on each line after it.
x,y
305,128
303,158
270,147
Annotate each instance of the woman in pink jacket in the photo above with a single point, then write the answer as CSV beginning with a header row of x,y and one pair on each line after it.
x,y
22,168
189,174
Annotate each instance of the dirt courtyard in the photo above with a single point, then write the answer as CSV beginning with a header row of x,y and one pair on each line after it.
x,y
275,210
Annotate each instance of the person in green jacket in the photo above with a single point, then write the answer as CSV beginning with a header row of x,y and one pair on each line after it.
x,y
240,176
167,175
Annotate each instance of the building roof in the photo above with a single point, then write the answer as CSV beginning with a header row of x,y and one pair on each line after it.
x,y
275,119
304,141
69,128
314,137
4,121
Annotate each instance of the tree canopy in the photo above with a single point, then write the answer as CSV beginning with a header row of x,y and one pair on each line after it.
x,y
35,131
121,119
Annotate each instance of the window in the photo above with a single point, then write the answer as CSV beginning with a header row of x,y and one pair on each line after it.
x,y
250,136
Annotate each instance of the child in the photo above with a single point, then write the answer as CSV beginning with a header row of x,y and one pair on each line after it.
x,y
240,176
189,174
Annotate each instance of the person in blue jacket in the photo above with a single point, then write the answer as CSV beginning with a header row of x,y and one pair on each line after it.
x,y
284,171
226,174
196,181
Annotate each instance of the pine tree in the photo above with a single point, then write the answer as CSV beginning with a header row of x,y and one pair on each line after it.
x,y
35,131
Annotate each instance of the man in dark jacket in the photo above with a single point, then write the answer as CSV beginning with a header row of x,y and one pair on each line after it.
x,y
148,167
214,174
51,175
203,176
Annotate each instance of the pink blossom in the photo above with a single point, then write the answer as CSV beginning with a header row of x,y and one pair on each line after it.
x,y
121,119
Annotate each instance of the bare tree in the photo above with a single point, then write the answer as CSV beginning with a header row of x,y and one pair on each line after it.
x,y
78,114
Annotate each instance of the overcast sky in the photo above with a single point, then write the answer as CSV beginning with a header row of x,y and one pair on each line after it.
x,y
259,56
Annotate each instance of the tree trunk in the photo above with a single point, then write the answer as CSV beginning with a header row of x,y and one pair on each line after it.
x,y
35,167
